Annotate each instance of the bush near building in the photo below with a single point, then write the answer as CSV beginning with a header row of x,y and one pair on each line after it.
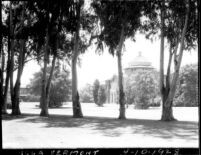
x,y
187,88
101,95
142,89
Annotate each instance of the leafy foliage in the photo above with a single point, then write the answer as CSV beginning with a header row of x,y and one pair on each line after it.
x,y
60,86
175,11
142,88
114,15
187,91
101,95
86,94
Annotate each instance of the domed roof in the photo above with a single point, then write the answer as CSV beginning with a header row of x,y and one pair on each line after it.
x,y
140,62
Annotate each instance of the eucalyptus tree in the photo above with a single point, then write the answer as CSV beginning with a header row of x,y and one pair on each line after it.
x,y
39,34
62,24
2,63
178,24
15,52
1,24
79,25
18,31
179,27
21,24
77,111
50,17
23,32
16,90
3,81
50,14
118,20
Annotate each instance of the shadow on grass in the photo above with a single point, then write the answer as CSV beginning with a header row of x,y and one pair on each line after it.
x,y
53,108
114,128
9,117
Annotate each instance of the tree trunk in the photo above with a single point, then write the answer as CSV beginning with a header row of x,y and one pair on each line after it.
x,y
2,63
5,91
16,97
162,53
1,45
120,78
50,78
77,110
11,57
43,101
167,111
169,69
16,92
2,79
167,114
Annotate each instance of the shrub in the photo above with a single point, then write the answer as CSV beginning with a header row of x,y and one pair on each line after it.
x,y
156,102
31,98
187,87
60,88
86,94
101,96
142,88
96,86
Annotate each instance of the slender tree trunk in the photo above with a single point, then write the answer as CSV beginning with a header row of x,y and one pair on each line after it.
x,y
4,107
11,57
2,77
5,92
16,97
167,114
122,110
43,102
77,110
169,68
175,54
16,92
162,53
164,90
53,62
50,79
2,62
1,45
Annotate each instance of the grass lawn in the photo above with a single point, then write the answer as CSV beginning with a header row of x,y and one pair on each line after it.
x,y
99,128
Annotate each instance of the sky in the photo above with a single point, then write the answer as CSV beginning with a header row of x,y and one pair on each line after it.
x,y
104,66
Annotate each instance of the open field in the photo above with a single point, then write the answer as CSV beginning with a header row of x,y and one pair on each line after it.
x,y
99,128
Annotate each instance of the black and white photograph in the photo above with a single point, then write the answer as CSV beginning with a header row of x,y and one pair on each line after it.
x,y
100,74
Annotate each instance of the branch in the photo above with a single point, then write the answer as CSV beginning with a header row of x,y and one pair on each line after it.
x,y
169,67
16,67
91,39
65,70
175,53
